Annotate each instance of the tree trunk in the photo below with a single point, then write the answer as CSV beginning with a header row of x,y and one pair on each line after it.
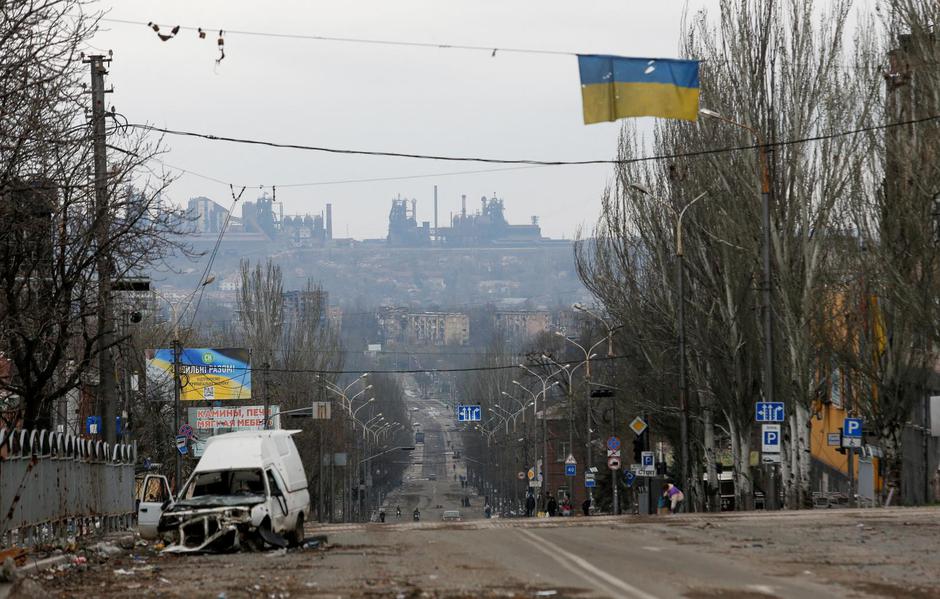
x,y
708,426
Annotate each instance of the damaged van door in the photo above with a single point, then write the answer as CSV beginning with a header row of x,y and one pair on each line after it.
x,y
153,494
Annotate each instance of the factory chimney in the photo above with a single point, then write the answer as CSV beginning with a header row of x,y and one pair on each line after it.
x,y
329,221
435,211
463,205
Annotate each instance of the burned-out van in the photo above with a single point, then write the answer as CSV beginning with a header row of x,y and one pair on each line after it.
x,y
249,488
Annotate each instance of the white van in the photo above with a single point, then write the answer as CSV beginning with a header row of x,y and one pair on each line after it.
x,y
247,489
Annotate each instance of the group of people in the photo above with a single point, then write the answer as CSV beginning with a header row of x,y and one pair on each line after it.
x,y
672,499
553,508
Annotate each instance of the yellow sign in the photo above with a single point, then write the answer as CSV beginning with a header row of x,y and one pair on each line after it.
x,y
638,425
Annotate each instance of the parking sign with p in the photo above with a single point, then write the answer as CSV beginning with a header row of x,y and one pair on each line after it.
x,y
770,438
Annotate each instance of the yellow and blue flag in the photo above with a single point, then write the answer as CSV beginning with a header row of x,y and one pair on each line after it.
x,y
614,87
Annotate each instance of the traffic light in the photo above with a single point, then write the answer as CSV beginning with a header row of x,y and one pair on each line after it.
x,y
638,446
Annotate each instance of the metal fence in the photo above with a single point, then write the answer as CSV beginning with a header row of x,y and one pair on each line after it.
x,y
55,485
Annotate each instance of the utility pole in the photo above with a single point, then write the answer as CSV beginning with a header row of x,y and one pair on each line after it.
x,y
267,395
766,292
176,403
107,399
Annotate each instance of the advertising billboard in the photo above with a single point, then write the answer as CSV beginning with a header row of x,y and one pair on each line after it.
x,y
206,374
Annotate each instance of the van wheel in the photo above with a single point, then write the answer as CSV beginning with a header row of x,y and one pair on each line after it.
x,y
297,536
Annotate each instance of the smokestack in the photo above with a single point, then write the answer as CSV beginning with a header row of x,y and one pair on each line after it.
x,y
435,210
463,205
329,221
414,209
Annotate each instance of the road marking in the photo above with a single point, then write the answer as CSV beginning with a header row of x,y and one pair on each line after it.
x,y
569,560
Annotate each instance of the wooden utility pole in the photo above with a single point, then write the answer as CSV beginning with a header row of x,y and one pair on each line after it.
x,y
107,396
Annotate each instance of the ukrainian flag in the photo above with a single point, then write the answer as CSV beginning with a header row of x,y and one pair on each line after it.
x,y
614,87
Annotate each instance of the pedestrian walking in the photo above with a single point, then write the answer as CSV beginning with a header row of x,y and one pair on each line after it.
x,y
552,507
529,505
674,496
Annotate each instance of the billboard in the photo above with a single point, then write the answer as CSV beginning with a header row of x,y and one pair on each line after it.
x,y
206,374
217,420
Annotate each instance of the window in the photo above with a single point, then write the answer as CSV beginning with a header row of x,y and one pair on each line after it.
x,y
835,388
564,448
273,485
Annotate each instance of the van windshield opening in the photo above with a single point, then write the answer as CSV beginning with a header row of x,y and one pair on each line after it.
x,y
226,482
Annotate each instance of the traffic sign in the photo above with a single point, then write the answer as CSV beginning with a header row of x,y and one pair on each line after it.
x,y
630,477
531,473
638,425
535,484
589,480
570,459
613,463
770,438
648,461
181,445
93,425
469,413
833,439
571,469
770,458
852,428
186,430
521,476
852,432
613,453
769,411
613,444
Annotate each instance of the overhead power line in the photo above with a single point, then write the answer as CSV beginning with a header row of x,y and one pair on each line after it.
x,y
527,161
492,50
416,370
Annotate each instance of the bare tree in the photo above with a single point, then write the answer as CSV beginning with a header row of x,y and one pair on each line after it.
x,y
54,238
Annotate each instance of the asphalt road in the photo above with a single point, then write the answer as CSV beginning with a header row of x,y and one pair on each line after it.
x,y
834,553
431,483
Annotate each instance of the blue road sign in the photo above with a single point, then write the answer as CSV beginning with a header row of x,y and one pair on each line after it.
x,y
613,443
181,445
93,425
571,469
648,461
769,411
630,477
469,413
770,438
852,428
590,483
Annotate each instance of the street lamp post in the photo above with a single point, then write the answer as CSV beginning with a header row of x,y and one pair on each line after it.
x,y
766,291
588,354
544,393
684,467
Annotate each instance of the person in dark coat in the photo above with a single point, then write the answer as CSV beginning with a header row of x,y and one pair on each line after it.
x,y
586,506
529,505
552,507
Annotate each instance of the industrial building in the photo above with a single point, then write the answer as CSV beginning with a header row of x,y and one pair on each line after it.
x,y
485,227
261,221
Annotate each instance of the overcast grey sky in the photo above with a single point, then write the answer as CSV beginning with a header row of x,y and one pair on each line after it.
x,y
403,99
